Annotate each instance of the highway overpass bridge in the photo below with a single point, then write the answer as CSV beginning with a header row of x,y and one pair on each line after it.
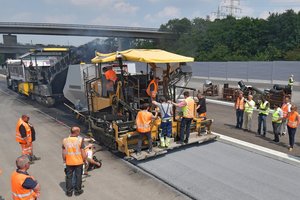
x,y
11,28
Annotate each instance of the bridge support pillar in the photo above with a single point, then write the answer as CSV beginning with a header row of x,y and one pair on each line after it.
x,y
10,40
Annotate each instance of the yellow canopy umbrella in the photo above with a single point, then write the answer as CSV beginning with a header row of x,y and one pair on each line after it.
x,y
142,55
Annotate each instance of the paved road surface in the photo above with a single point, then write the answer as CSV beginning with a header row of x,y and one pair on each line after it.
x,y
115,180
219,171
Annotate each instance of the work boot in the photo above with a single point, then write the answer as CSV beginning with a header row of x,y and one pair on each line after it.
x,y
168,141
79,192
33,157
162,142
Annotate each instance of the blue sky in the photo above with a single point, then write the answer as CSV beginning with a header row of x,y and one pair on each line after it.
x,y
138,13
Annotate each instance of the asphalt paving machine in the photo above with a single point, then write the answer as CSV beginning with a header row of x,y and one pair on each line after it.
x,y
111,113
39,74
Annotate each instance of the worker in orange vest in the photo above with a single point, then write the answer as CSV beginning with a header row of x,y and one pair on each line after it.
x,y
286,108
239,108
293,122
24,186
153,88
188,111
25,135
111,78
143,126
73,156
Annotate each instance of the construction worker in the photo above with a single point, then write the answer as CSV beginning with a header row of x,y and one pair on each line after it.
x,y
24,186
74,157
166,121
201,106
110,79
153,88
25,135
239,108
286,108
91,160
248,112
293,122
188,109
276,122
264,109
143,126
291,82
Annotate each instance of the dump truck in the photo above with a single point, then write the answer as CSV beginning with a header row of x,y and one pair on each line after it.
x,y
39,74
110,114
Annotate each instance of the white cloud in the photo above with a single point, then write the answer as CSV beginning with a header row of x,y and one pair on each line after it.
x,y
169,11
124,7
91,2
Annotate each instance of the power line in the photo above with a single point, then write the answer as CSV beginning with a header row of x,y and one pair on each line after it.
x,y
227,8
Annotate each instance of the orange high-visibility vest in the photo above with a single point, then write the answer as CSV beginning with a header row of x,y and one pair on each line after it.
x,y
18,134
154,91
285,109
143,121
111,75
18,192
189,109
73,151
292,119
239,104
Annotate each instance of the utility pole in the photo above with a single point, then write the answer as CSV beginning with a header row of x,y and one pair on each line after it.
x,y
227,8
232,7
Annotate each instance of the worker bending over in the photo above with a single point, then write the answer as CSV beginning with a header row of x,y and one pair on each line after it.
x,y
188,110
25,135
143,126
24,186
91,161
166,121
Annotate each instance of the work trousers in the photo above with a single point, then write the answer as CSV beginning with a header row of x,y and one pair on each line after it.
x,y
248,121
276,130
262,120
166,128
77,170
292,132
140,141
185,125
284,125
26,149
239,118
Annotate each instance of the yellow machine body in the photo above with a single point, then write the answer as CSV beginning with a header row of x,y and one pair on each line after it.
x,y
25,88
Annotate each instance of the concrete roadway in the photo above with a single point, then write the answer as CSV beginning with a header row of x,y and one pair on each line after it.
x,y
115,180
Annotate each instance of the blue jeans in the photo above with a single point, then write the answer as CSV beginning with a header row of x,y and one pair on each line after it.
x,y
166,128
185,125
292,132
262,119
239,118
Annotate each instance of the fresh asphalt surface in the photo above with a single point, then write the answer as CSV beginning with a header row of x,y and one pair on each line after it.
x,y
215,170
